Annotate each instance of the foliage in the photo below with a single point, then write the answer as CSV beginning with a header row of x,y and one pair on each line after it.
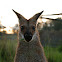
x,y
60,48
57,24
54,25
3,32
0,33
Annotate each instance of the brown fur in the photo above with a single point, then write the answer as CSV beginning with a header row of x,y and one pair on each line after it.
x,y
31,51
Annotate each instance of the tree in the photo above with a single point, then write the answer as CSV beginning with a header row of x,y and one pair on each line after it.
x,y
15,29
57,24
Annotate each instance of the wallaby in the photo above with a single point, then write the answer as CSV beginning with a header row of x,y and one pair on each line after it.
x,y
29,46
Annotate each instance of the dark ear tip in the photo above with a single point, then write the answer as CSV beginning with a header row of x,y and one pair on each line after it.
x,y
41,12
14,11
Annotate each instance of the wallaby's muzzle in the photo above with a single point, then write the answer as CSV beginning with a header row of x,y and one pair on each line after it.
x,y
28,36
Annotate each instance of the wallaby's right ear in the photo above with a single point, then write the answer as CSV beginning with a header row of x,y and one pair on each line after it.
x,y
20,17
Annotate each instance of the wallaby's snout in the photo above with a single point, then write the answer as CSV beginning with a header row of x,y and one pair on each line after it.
x,y
28,36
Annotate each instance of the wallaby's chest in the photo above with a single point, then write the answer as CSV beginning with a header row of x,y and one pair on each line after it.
x,y
29,53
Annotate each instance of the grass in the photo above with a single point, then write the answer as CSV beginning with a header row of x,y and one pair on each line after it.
x,y
8,44
7,48
53,54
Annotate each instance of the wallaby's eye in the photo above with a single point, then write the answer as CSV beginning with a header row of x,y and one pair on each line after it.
x,y
22,28
33,27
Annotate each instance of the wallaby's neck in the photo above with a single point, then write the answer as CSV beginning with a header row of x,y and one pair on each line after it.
x,y
30,51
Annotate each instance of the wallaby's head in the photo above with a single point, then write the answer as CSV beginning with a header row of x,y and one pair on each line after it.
x,y
27,27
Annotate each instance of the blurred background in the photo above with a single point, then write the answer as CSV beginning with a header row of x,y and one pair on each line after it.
x,y
49,26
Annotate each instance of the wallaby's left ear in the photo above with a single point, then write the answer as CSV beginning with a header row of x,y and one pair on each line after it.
x,y
36,16
20,17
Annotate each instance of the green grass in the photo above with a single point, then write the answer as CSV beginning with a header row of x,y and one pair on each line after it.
x,y
7,48
8,44
53,54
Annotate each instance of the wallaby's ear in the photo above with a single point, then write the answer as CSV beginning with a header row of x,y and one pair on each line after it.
x,y
36,16
20,17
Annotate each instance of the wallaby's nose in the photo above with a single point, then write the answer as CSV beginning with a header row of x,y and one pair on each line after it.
x,y
28,36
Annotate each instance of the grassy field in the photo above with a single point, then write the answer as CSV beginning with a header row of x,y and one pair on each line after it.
x,y
8,44
54,54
